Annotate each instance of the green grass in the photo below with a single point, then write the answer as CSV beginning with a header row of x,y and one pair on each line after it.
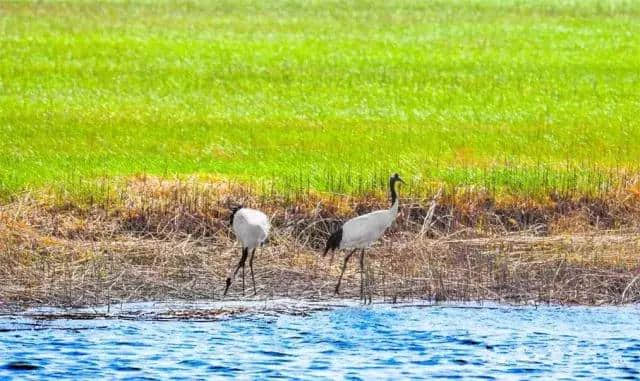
x,y
521,96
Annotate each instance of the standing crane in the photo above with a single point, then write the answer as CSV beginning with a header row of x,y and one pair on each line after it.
x,y
251,228
360,232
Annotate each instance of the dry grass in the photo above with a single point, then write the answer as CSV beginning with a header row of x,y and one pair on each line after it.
x,y
159,240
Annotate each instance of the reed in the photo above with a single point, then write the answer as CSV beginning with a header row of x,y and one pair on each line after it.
x,y
170,240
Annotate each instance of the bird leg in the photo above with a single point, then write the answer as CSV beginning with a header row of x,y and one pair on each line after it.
x,y
344,266
362,274
369,285
245,252
253,254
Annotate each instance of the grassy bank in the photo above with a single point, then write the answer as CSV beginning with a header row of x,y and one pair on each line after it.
x,y
511,96
167,240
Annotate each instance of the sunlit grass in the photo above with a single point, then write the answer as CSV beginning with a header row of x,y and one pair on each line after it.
x,y
517,96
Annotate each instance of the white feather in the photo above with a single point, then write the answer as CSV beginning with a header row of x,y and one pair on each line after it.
x,y
362,231
251,227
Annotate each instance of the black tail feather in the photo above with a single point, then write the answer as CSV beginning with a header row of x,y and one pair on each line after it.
x,y
333,242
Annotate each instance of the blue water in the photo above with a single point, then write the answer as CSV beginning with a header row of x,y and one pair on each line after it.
x,y
382,342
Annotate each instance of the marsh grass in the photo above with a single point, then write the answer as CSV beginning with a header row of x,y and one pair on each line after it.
x,y
170,240
516,97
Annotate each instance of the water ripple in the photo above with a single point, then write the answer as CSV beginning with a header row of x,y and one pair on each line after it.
x,y
347,343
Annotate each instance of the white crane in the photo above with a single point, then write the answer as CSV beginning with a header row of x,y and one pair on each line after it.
x,y
251,228
360,232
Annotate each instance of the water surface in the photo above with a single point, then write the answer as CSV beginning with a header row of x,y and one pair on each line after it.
x,y
383,341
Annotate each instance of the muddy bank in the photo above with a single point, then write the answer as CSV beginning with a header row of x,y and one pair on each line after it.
x,y
195,311
207,311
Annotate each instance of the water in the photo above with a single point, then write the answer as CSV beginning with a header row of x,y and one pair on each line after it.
x,y
355,342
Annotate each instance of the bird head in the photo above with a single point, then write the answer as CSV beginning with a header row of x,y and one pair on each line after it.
x,y
396,177
235,207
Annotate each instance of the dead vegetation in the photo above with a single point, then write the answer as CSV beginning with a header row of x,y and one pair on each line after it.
x,y
159,240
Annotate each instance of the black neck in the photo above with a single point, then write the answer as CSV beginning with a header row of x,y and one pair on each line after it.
x,y
392,187
233,214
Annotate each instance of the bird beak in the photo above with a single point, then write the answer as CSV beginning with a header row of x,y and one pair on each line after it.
x,y
402,181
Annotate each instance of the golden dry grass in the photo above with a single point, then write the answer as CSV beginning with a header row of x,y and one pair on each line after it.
x,y
158,240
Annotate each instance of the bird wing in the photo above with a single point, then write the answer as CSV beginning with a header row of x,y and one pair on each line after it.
x,y
363,230
251,227
256,217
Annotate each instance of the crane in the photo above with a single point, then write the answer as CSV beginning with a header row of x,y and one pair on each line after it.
x,y
361,232
251,228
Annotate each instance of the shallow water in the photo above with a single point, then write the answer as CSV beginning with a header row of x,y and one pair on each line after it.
x,y
383,341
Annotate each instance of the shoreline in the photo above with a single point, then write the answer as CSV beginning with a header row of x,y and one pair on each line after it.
x,y
211,311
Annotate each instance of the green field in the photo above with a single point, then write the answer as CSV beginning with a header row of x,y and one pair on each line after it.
x,y
517,96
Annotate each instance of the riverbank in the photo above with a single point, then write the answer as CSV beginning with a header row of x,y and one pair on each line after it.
x,y
168,241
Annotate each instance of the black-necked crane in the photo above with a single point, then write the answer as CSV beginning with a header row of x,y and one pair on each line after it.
x,y
251,228
361,232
